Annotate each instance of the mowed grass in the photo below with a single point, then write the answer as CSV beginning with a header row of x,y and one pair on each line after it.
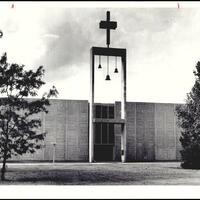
x,y
169,173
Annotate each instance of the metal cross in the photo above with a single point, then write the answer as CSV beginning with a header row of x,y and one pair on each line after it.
x,y
108,25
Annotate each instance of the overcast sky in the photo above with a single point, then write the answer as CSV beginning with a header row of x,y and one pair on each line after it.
x,y
163,47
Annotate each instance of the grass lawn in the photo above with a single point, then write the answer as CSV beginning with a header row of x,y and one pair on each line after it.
x,y
156,173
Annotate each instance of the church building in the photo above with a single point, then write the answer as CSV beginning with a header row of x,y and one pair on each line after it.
x,y
85,131
152,133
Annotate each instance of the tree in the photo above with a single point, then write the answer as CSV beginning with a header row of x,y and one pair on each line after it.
x,y
19,119
189,121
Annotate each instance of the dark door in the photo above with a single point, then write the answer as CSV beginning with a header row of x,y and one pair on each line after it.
x,y
103,153
104,135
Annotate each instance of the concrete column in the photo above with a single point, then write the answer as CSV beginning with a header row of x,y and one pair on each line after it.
x,y
91,127
123,108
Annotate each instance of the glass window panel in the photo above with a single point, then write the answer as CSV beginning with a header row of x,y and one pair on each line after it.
x,y
111,133
111,112
104,112
104,133
98,111
98,133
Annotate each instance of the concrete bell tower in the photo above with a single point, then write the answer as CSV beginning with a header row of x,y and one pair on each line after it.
x,y
107,51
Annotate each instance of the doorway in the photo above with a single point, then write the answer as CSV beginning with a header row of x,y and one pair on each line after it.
x,y
104,133
103,153
104,142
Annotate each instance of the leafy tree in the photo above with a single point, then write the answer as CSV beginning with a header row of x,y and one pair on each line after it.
x,y
19,119
189,121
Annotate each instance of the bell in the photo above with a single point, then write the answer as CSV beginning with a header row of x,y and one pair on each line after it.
x,y
99,67
107,78
116,70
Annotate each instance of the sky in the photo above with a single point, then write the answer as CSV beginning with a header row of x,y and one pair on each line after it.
x,y
163,47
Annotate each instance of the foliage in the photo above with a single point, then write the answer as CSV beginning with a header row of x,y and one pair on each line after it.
x,y
19,116
189,121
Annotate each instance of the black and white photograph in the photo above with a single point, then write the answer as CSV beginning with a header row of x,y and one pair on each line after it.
x,y
99,94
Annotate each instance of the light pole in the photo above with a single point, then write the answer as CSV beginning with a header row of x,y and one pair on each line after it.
x,y
54,152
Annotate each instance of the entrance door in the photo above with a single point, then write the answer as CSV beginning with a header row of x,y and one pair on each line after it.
x,y
104,142
103,153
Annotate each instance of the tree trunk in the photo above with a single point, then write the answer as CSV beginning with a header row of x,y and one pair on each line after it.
x,y
3,169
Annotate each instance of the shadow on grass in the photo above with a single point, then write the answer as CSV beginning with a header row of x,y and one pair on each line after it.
x,y
83,177
180,168
77,177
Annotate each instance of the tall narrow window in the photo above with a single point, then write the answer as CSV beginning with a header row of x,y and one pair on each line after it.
x,y
98,133
98,111
104,112
111,134
111,112
104,133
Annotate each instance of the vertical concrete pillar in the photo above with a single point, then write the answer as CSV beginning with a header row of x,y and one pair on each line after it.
x,y
123,108
91,127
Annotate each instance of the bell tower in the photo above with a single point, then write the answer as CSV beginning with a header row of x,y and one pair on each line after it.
x,y
118,53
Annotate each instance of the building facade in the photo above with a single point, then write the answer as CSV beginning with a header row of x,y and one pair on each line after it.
x,y
152,133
